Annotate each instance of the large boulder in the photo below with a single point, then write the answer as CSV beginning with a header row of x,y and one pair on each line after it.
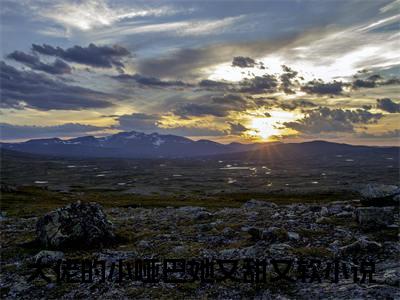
x,y
374,217
380,195
75,225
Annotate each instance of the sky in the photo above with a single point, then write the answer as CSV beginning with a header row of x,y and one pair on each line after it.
x,y
244,71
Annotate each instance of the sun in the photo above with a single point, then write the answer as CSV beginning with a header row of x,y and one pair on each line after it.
x,y
263,128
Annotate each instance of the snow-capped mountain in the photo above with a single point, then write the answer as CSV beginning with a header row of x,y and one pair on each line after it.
x,y
127,144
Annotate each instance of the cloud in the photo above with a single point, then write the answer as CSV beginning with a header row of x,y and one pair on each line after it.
x,y
197,110
259,84
193,63
138,121
287,80
388,105
88,15
32,61
12,132
370,82
385,135
292,105
237,128
243,62
373,81
21,89
325,119
153,123
214,105
214,85
92,55
150,81
321,88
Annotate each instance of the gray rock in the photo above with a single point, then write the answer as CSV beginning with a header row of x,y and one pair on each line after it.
x,y
197,212
293,236
324,211
392,277
144,244
275,234
228,232
379,194
7,188
374,217
335,209
259,204
75,225
46,257
361,245
344,214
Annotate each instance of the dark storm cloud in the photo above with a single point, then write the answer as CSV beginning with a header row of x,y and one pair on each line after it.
x,y
243,62
370,82
214,85
373,81
325,119
388,105
321,88
217,106
287,80
231,100
34,62
292,105
259,84
237,128
150,81
34,90
94,56
10,131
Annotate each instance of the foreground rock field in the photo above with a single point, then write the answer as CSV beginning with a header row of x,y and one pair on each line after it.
x,y
341,230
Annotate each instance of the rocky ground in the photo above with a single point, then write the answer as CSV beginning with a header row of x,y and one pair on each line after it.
x,y
346,231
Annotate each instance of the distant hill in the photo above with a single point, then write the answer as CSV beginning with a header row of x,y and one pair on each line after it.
x,y
140,145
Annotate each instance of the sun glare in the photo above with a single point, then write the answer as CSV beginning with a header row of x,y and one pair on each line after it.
x,y
266,127
263,128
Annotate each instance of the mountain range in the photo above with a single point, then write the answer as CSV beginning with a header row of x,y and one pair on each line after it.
x,y
141,145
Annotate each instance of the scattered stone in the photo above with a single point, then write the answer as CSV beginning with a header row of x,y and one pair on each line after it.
x,y
324,211
335,209
75,225
293,236
392,277
374,217
228,232
279,248
344,214
8,188
144,244
361,245
259,204
47,257
379,194
275,234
